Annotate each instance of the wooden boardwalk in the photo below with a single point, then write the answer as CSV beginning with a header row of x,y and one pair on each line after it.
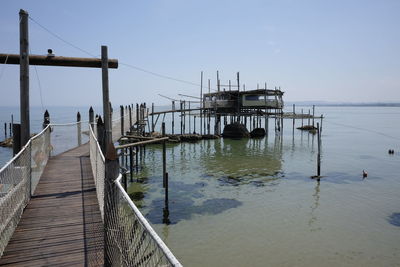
x,y
61,226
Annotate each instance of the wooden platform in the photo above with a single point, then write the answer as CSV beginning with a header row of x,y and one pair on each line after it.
x,y
61,226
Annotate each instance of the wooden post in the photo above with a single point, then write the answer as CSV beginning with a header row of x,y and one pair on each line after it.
x,y
201,103
173,117
106,99
137,159
130,162
91,117
24,76
130,117
320,129
190,128
294,114
319,151
313,113
308,117
152,117
100,133
46,119
302,118
238,103
181,107
166,191
5,130
164,155
12,123
79,128
110,206
194,125
16,138
121,111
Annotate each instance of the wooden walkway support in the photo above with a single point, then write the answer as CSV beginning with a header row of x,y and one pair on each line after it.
x,y
61,226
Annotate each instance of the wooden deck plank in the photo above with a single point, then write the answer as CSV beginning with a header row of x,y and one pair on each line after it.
x,y
61,226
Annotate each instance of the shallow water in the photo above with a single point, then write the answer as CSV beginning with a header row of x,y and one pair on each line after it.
x,y
251,202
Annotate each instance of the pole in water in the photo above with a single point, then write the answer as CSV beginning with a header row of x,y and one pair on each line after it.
x,y
164,155
166,208
313,113
294,114
130,163
194,125
319,151
5,130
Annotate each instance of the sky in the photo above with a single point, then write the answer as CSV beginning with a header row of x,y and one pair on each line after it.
x,y
341,51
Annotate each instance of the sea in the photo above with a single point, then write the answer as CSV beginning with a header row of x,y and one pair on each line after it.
x,y
252,202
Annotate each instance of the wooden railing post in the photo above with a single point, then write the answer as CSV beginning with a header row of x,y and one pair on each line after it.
x,y
100,133
16,138
79,128
91,117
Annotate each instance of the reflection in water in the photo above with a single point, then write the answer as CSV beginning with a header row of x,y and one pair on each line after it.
x,y
184,209
314,207
236,162
196,170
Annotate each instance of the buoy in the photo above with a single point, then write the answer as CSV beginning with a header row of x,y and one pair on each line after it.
x,y
365,174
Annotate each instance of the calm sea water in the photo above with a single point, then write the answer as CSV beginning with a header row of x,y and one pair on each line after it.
x,y
251,202
63,137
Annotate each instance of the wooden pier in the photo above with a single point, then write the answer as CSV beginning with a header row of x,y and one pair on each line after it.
x,y
61,226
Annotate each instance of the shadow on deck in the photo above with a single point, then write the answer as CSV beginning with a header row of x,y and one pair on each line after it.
x,y
62,224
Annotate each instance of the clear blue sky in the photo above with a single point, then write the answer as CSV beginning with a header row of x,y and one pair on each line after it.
x,y
315,50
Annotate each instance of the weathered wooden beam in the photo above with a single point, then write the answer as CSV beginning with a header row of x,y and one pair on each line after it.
x,y
142,143
58,61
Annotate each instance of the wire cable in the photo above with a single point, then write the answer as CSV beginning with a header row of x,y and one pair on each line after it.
x,y
121,63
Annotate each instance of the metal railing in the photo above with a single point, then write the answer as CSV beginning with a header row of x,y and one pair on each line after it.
x,y
132,240
18,180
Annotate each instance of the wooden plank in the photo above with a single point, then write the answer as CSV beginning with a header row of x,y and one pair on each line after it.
x,y
61,226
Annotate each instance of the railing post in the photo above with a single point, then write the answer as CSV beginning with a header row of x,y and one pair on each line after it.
x,y
111,250
46,119
79,128
16,138
100,133
91,117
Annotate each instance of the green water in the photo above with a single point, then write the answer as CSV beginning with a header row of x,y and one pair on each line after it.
x,y
251,202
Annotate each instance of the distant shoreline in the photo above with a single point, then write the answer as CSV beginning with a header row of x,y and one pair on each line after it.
x,y
323,104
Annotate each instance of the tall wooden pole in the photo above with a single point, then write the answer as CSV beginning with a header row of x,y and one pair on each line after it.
x,y
201,103
24,76
164,155
106,98
121,111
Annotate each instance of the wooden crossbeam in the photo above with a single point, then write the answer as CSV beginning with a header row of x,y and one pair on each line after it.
x,y
58,61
